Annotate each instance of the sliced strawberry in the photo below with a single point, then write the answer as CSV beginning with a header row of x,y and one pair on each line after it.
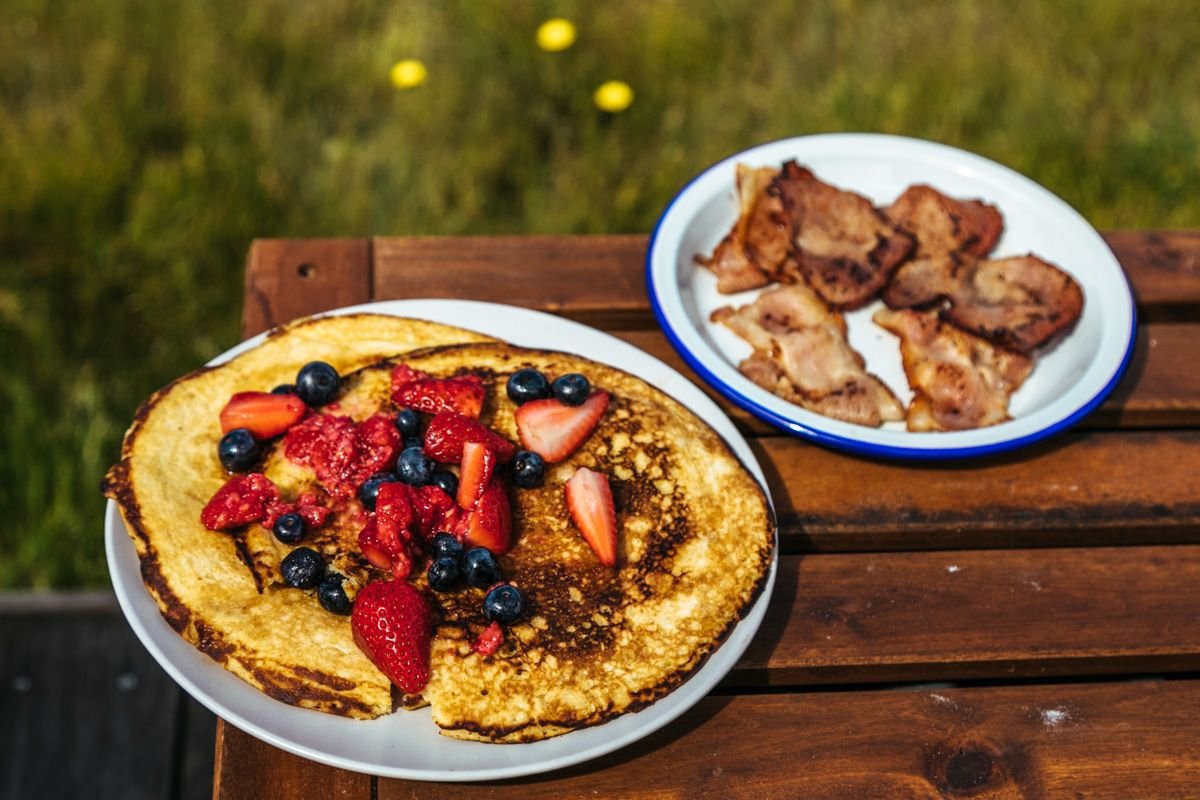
x,y
394,517
242,500
489,524
403,374
554,430
475,472
463,394
489,640
434,510
448,432
589,500
392,626
264,414
368,543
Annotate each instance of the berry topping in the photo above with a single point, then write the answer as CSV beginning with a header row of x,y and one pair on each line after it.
x,y
242,500
590,503
414,467
489,640
302,568
489,524
555,430
408,423
504,603
448,432
528,469
478,465
368,543
284,388
369,490
446,481
342,454
391,626
572,389
463,394
238,450
443,574
444,545
331,592
289,528
527,384
307,505
434,511
264,414
480,568
317,383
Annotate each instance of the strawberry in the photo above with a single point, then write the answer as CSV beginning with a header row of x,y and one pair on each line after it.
x,y
589,500
478,465
489,524
489,640
434,511
242,500
554,430
394,517
368,543
264,414
391,625
448,432
411,389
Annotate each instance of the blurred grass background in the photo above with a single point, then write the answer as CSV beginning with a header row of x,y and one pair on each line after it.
x,y
142,146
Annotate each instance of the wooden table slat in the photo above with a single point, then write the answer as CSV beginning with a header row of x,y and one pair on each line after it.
x,y
289,278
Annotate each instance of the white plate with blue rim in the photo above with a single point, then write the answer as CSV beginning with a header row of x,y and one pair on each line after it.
x,y
1069,380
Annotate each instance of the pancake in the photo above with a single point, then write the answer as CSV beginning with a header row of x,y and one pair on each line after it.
x,y
168,470
695,545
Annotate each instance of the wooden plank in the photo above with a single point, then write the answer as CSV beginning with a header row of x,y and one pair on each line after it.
x,y
599,279
249,769
950,616
87,711
1117,740
197,754
1078,489
1160,388
289,278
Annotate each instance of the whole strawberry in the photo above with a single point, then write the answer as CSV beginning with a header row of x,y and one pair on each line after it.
x,y
391,625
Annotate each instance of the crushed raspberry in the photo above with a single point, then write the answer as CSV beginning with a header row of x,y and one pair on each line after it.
x,y
341,453
489,640
307,505
242,500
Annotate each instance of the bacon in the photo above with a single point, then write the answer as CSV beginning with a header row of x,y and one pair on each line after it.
x,y
757,240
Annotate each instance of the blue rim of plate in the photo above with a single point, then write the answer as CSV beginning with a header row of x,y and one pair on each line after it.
x,y
846,443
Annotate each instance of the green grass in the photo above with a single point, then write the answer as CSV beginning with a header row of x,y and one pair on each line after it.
x,y
142,145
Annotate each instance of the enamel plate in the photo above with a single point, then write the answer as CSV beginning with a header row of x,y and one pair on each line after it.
x,y
407,744
1067,382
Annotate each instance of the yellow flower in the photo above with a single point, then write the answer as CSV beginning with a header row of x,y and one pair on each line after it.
x,y
613,96
555,34
407,74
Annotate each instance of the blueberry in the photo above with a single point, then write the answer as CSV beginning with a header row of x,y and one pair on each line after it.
x,y
317,383
409,423
480,567
446,481
284,388
289,528
527,469
504,604
414,441
527,384
443,574
238,450
302,568
332,594
571,389
414,467
368,492
445,545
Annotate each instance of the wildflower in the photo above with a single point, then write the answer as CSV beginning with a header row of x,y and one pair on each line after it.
x,y
407,74
613,96
555,34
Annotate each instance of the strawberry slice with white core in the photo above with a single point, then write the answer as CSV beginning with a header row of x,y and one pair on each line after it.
x,y
489,524
555,430
590,503
478,465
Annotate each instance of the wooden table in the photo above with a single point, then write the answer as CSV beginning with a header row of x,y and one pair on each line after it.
x,y
1044,603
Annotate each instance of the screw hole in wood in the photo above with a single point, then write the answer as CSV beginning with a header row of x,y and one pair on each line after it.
x,y
306,271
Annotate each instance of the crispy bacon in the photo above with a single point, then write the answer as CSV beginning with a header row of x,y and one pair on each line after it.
x,y
801,354
731,261
943,224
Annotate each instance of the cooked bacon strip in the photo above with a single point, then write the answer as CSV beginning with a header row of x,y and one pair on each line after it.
x,y
960,381
801,354
757,245
943,224
843,246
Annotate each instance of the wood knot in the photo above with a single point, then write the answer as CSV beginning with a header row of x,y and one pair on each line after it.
x,y
966,769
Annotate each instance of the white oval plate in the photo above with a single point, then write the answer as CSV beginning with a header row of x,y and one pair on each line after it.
x,y
1067,382
407,744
